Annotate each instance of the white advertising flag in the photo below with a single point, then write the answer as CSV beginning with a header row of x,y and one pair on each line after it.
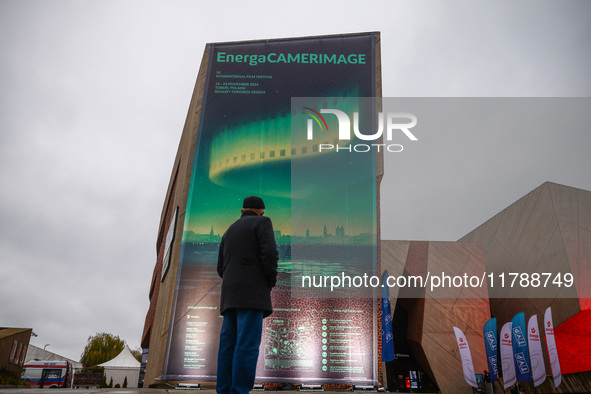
x,y
536,356
507,362
551,345
466,356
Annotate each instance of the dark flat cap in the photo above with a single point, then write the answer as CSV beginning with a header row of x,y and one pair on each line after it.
x,y
253,202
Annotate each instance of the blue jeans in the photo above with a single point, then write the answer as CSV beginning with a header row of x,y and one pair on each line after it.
x,y
239,350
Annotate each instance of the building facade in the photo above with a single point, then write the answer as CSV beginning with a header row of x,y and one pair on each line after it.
x,y
254,143
14,343
547,231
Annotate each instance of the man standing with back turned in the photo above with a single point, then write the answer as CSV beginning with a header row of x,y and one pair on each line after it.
x,y
247,264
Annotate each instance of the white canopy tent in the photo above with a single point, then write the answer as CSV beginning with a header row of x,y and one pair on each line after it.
x,y
124,365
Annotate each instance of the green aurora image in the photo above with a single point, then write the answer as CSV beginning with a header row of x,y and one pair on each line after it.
x,y
301,185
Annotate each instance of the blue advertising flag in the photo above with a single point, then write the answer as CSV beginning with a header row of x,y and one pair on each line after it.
x,y
387,334
520,349
490,343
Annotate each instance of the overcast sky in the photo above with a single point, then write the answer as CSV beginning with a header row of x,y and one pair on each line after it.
x,y
94,95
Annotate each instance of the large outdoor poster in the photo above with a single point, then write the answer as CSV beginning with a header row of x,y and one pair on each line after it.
x,y
245,147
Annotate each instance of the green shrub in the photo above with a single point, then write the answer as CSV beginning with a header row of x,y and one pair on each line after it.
x,y
94,369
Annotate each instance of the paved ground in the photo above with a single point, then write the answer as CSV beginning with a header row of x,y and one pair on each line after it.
x,y
144,391
140,391
205,390
105,391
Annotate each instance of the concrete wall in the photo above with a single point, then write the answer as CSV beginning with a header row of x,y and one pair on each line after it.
x,y
158,318
546,231
432,314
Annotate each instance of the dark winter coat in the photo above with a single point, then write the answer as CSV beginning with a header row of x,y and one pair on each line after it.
x,y
247,264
